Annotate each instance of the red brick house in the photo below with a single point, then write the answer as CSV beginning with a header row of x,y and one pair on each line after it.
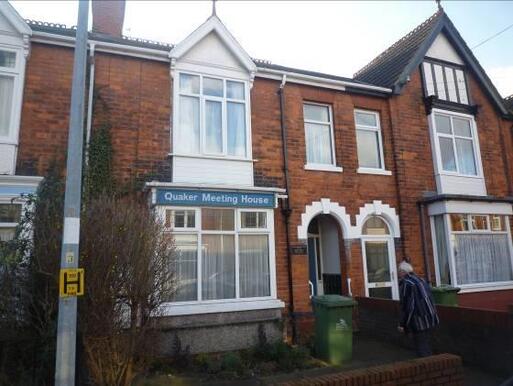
x,y
280,183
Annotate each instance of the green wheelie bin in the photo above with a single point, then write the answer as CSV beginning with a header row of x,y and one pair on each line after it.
x,y
333,328
445,295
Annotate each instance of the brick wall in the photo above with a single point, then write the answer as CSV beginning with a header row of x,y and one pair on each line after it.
x,y
444,369
483,338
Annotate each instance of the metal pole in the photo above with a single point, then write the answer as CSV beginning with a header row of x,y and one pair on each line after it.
x,y
67,321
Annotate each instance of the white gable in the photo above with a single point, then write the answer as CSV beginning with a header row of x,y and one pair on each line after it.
x,y
442,49
211,50
6,27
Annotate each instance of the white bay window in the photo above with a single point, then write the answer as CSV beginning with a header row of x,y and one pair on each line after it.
x,y
212,116
9,78
223,255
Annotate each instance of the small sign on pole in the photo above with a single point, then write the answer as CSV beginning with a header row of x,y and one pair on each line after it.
x,y
71,282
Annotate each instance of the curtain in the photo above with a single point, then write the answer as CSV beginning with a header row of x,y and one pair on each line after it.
x,y
218,267
447,154
441,249
254,266
482,258
188,129
318,141
185,267
368,149
466,159
213,127
236,129
6,91
7,234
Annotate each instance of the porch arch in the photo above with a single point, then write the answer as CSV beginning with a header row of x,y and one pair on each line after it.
x,y
325,206
377,208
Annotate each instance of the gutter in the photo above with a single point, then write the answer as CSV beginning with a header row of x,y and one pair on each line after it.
x,y
286,210
237,188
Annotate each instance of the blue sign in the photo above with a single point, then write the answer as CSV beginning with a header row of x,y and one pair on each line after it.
x,y
214,198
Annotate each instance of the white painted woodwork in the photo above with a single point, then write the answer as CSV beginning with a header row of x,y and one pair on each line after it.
x,y
442,49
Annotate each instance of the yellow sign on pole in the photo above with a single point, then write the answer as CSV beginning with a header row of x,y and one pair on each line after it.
x,y
71,282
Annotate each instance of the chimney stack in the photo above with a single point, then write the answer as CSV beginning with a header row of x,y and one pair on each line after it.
x,y
108,16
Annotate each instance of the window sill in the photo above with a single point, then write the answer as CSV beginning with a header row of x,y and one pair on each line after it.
x,y
470,288
460,175
233,305
216,157
374,171
324,168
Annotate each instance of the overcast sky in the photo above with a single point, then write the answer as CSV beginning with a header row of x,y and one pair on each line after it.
x,y
336,37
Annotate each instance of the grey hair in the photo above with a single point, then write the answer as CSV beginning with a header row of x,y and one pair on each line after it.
x,y
405,267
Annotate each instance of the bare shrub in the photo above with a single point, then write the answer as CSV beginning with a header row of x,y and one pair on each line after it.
x,y
127,260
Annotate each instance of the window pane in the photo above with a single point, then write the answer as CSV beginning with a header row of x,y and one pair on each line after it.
x,y
236,129
7,234
381,293
180,219
447,154
451,84
218,267
378,267
253,220
6,93
466,160
498,224
462,127
213,127
441,249
185,267
479,222
189,84
318,144
368,149
482,258
217,219
443,124
316,113
7,59
428,79
188,128
213,87
235,90
254,271
462,87
375,226
440,84
365,119
459,222
10,213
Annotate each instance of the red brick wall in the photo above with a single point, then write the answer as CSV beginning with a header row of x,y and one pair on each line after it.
x,y
443,369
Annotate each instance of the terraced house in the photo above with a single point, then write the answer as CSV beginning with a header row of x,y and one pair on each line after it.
x,y
278,183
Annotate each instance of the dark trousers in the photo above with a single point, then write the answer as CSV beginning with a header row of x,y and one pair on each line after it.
x,y
422,340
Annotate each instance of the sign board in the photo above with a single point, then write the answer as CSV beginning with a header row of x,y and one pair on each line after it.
x,y
215,198
71,282
298,249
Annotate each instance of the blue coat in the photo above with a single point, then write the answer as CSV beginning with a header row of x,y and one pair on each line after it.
x,y
418,312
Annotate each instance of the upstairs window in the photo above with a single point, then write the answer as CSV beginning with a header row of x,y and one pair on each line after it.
x,y
212,116
8,77
456,144
320,149
368,140
446,82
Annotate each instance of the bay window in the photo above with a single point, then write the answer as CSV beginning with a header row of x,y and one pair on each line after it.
x,y
212,116
222,254
456,144
473,249
9,73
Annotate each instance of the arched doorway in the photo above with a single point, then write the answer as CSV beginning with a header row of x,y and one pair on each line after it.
x,y
324,252
379,262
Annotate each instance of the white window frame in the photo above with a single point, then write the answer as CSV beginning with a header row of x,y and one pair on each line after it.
x,y
237,303
474,287
202,130
315,166
375,129
17,74
12,201
437,152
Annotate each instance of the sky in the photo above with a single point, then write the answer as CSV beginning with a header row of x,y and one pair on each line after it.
x,y
335,37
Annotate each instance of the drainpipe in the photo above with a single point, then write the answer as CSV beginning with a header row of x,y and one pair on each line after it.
x,y
427,268
90,98
285,207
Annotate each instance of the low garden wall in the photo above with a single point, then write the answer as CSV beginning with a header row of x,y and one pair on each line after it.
x,y
444,369
483,338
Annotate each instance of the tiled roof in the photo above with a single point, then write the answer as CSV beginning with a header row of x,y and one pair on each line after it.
x,y
508,101
387,67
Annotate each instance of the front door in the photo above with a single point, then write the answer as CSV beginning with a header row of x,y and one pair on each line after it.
x,y
315,265
380,273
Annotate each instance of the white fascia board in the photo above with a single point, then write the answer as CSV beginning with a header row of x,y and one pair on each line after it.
x,y
242,188
14,18
213,24
474,207
100,46
311,80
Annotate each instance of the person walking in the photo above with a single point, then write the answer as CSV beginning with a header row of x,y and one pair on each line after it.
x,y
418,312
